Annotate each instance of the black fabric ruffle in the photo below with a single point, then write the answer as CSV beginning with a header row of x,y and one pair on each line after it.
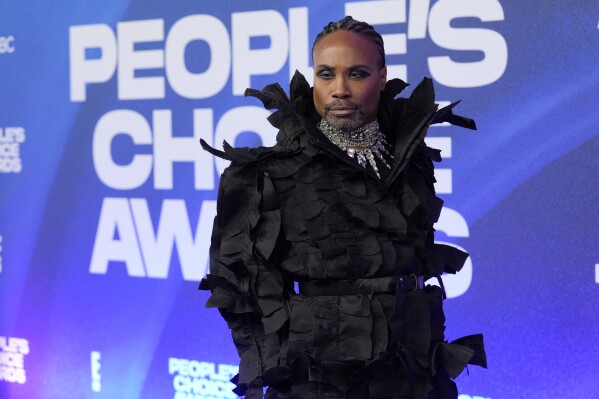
x,y
303,211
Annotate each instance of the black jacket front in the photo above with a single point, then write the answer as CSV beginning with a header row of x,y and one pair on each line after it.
x,y
303,211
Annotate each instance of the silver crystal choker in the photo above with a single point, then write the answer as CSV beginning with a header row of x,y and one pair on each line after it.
x,y
364,143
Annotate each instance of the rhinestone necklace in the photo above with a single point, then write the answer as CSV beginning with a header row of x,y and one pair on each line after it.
x,y
368,137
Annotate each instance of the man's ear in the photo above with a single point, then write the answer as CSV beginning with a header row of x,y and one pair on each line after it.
x,y
383,76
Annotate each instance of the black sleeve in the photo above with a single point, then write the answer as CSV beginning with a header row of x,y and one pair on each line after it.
x,y
247,286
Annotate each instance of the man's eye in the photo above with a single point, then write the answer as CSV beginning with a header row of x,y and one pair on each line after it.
x,y
325,75
358,75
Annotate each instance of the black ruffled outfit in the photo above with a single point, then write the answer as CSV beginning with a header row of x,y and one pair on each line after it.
x,y
303,211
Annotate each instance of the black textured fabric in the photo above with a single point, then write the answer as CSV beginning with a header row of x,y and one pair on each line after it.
x,y
304,211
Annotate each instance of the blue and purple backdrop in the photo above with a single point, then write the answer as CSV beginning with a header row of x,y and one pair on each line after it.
x,y
107,200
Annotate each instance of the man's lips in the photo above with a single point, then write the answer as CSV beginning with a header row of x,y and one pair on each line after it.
x,y
339,111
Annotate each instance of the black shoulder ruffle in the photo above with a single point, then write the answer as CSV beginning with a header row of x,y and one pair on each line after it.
x,y
287,155
406,121
274,97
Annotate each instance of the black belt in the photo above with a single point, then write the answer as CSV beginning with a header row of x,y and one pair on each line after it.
x,y
408,282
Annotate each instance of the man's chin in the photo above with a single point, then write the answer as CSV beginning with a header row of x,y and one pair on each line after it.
x,y
344,122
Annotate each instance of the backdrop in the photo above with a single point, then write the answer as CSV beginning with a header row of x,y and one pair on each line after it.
x,y
107,200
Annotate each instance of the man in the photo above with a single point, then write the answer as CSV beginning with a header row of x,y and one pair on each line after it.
x,y
344,204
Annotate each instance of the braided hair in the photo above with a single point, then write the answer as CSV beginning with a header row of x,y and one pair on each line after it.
x,y
361,28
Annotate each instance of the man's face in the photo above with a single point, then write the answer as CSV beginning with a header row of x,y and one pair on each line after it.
x,y
347,79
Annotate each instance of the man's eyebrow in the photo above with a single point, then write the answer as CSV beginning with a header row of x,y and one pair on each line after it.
x,y
325,66
359,66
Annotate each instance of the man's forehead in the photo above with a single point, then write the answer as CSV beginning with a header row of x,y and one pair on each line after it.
x,y
342,37
347,47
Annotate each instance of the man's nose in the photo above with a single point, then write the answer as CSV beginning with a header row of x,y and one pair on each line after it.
x,y
341,88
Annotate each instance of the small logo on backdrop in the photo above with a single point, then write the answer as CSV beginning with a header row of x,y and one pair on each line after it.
x,y
95,369
201,380
11,138
12,359
7,44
